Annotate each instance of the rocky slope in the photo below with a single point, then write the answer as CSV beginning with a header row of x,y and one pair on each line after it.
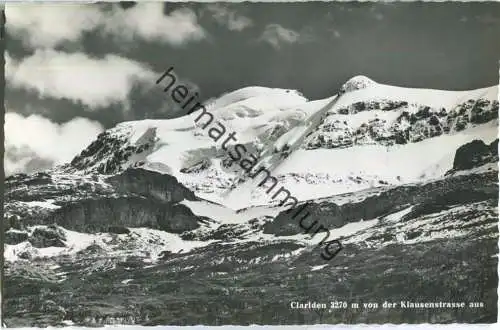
x,y
154,224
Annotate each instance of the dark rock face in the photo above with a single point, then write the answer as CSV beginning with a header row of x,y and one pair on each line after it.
x,y
47,237
93,216
474,154
14,237
446,200
99,149
430,196
179,220
114,149
162,187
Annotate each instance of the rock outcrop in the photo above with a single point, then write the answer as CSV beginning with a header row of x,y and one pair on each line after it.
x,y
92,216
474,154
51,236
331,215
410,126
151,184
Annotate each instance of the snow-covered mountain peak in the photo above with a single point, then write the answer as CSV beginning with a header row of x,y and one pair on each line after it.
x,y
257,95
301,141
356,83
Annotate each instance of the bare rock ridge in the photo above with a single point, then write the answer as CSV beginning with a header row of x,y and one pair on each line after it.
x,y
475,154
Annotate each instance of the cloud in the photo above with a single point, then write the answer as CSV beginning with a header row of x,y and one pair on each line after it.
x,y
93,82
24,160
229,18
36,143
147,21
49,25
276,35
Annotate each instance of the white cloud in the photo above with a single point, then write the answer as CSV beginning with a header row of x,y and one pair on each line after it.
x,y
229,18
147,21
35,138
276,35
50,24
77,77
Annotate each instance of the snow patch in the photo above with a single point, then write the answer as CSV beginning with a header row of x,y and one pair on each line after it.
x,y
48,204
315,268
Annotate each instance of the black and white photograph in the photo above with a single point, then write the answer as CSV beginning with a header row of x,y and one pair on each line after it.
x,y
250,163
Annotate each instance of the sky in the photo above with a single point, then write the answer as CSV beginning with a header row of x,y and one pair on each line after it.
x,y
65,85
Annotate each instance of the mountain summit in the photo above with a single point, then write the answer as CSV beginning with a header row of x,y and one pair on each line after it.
x,y
357,82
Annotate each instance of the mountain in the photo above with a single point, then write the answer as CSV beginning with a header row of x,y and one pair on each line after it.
x,y
156,222
372,121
